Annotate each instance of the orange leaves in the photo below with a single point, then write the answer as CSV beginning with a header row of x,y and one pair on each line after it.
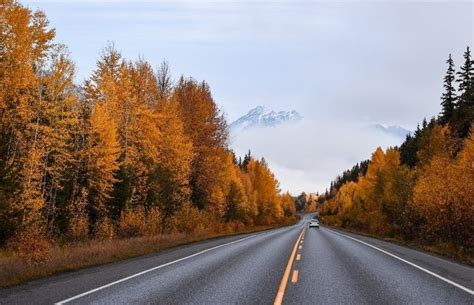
x,y
433,202
101,155
437,142
128,153
266,191
445,197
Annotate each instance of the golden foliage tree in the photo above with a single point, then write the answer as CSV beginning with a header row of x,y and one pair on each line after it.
x,y
444,197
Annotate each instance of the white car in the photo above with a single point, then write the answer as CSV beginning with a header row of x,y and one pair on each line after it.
x,y
314,223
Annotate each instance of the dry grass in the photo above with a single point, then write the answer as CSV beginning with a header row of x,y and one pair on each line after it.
x,y
15,269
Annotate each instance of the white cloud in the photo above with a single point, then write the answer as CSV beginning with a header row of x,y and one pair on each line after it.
x,y
307,155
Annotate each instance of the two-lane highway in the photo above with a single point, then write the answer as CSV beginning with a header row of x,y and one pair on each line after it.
x,y
295,265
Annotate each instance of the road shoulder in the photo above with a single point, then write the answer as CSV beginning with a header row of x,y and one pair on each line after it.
x,y
453,271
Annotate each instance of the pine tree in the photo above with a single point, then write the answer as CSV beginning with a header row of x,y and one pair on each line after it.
x,y
464,114
247,159
448,98
466,74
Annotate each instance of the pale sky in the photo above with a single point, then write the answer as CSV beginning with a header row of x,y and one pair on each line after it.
x,y
340,64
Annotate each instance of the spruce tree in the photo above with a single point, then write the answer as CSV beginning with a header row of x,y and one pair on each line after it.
x,y
466,74
464,114
448,99
247,159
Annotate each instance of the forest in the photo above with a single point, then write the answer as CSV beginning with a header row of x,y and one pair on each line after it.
x,y
422,192
128,153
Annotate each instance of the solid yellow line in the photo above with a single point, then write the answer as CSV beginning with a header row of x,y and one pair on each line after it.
x,y
294,279
286,274
298,257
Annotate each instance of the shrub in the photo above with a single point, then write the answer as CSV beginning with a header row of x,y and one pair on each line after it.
x,y
104,229
132,222
153,222
32,244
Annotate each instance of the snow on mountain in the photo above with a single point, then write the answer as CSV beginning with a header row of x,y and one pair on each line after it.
x,y
393,130
262,117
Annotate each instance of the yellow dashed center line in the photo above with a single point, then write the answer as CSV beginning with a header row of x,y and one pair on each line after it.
x,y
294,278
286,274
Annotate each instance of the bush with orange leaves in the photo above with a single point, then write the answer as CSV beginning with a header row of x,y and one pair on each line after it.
x,y
132,222
104,229
32,244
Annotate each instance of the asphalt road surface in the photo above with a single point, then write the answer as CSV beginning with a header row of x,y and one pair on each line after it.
x,y
292,265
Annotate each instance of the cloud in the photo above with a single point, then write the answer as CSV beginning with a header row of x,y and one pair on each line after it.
x,y
307,155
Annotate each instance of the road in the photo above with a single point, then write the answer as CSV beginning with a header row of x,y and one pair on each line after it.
x,y
292,265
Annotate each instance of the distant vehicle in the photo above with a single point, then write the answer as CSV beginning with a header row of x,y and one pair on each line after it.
x,y
314,223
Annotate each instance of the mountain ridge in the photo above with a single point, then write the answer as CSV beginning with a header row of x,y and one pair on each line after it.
x,y
262,117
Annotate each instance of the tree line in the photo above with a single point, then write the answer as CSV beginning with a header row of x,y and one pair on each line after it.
x,y
128,152
422,191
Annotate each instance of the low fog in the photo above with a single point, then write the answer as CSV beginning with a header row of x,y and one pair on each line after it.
x,y
306,155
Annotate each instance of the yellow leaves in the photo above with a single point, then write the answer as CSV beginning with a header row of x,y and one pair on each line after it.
x,y
436,143
445,197
175,153
102,154
467,155
129,153
266,191
434,201
345,196
132,222
288,204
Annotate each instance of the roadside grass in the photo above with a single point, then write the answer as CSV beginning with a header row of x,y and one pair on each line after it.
x,y
442,249
15,269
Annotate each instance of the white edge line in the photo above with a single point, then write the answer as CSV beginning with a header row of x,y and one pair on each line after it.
x,y
149,270
409,263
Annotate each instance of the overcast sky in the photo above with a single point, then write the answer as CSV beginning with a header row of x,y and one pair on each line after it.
x,y
340,64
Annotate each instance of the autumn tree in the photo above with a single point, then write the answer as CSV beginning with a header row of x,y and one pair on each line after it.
x,y
38,111
266,190
443,196
170,178
102,160
206,128
288,204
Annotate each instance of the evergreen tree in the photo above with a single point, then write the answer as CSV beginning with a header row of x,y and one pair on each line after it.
x,y
247,159
408,151
464,114
466,74
448,98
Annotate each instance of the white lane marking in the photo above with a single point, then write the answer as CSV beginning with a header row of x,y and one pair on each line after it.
x,y
409,263
149,270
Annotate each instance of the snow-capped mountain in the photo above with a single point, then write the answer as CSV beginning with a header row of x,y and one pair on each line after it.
x,y
261,117
393,130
